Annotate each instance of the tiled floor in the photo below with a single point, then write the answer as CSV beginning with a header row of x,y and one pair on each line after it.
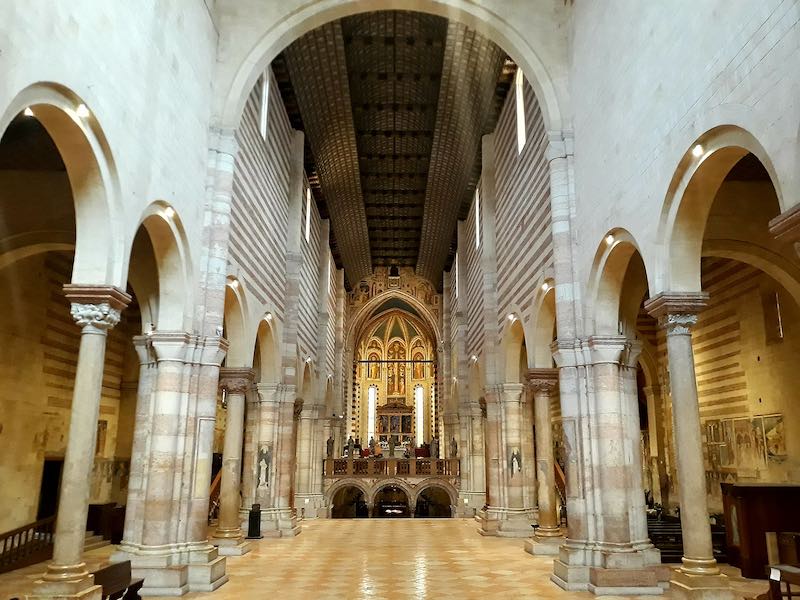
x,y
375,559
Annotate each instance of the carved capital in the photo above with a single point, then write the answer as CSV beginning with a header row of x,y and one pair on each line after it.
x,y
542,380
236,381
97,316
677,311
96,306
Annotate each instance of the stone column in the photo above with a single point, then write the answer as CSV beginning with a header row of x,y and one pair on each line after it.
x,y
699,575
509,447
228,537
310,452
548,536
96,309
658,450
269,481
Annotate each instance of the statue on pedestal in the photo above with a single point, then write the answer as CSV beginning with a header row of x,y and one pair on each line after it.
x,y
329,447
351,447
435,447
391,446
453,448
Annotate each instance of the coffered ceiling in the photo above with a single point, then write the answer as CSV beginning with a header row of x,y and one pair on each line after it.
x,y
393,105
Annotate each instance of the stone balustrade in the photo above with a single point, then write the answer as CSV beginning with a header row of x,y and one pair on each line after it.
x,y
391,467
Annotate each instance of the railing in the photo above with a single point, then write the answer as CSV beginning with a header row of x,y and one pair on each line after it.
x,y
561,488
213,497
392,467
27,545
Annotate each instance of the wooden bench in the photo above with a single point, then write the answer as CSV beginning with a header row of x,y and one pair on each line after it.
x,y
117,583
784,582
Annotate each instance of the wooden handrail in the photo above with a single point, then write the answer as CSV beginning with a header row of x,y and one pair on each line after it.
x,y
213,494
27,545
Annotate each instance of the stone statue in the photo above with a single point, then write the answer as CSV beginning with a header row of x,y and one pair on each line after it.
x,y
453,448
515,461
329,448
391,446
435,447
372,446
264,460
351,447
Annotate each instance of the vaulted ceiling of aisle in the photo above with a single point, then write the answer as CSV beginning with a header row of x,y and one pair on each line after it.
x,y
393,105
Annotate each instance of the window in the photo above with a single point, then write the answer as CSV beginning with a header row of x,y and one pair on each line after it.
x,y
372,400
262,125
308,213
519,80
419,411
773,320
477,216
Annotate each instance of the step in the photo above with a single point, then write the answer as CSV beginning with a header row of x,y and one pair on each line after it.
x,y
92,541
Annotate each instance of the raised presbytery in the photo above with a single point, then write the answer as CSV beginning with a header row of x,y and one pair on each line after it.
x,y
399,299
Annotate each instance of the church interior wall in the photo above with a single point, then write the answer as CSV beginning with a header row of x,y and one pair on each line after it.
x,y
309,307
36,323
260,202
641,100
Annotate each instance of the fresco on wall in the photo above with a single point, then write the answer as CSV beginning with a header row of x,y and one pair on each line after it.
x,y
775,438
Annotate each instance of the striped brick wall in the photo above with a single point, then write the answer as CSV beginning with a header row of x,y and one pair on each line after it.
x,y
308,309
260,200
473,286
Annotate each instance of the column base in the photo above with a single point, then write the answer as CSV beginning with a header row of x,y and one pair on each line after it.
x,y
84,589
311,506
700,587
175,569
544,545
469,503
275,522
506,522
232,546
604,571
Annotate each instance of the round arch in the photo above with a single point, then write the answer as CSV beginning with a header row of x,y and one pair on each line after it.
x,y
238,354
392,482
607,278
447,487
171,309
514,341
282,31
340,484
543,327
99,234
266,345
690,196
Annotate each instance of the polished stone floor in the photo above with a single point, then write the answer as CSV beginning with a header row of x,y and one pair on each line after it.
x,y
376,560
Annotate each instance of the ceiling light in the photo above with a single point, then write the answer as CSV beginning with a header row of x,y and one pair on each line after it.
x,y
268,317
234,283
511,317
308,360
545,287
697,151
28,112
609,239
82,111
474,358
169,212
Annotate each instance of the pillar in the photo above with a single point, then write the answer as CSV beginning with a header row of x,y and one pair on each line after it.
x,y
699,575
228,537
267,479
310,454
95,309
658,449
548,536
509,446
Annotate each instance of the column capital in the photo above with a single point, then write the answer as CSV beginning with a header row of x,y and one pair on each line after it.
x,y
236,380
607,348
677,311
542,380
96,306
786,226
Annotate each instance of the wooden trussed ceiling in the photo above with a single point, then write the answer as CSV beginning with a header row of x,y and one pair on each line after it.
x,y
394,105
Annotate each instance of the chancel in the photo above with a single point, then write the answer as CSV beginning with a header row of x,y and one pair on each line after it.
x,y
399,298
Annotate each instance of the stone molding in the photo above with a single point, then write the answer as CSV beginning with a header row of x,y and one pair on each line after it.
x,y
677,311
786,226
542,380
236,380
98,307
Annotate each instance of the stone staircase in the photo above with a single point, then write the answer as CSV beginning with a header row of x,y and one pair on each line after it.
x,y
92,541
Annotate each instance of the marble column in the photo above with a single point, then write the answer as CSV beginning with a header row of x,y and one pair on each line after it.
x,y
658,449
699,575
509,511
267,479
228,537
95,309
310,453
548,536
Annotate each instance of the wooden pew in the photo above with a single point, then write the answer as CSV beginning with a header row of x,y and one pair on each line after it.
x,y
117,583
